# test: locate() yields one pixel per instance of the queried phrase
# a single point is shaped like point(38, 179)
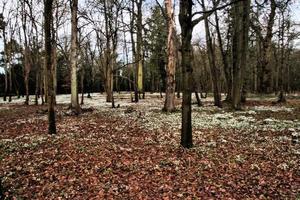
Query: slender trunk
point(82, 85)
point(45, 83)
point(132, 21)
point(185, 19)
point(73, 58)
point(281, 97)
point(27, 62)
point(178, 70)
point(48, 17)
point(27, 72)
point(37, 87)
point(266, 71)
point(169, 105)
point(41, 84)
point(199, 102)
point(139, 54)
point(10, 82)
point(227, 71)
point(5, 65)
point(54, 67)
point(212, 63)
point(109, 56)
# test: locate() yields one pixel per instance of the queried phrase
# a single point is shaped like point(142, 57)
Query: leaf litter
point(113, 154)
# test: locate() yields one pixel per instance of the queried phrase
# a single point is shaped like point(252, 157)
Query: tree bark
point(82, 84)
point(48, 17)
point(282, 96)
point(132, 21)
point(169, 105)
point(185, 19)
point(5, 63)
point(109, 57)
point(224, 54)
point(27, 61)
point(139, 43)
point(265, 75)
point(27, 64)
point(239, 49)
point(73, 58)
point(212, 62)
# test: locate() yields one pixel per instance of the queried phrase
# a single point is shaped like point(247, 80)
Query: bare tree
point(212, 61)
point(48, 17)
point(265, 75)
point(169, 105)
point(241, 11)
point(187, 25)
point(74, 56)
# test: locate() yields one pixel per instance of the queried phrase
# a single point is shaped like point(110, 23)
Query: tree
point(185, 19)
point(48, 17)
point(74, 56)
point(240, 37)
point(212, 62)
point(169, 105)
point(264, 40)
point(3, 28)
point(187, 25)
point(225, 55)
point(26, 52)
point(139, 50)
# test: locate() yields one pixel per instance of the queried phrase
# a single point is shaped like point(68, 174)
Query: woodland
point(149, 99)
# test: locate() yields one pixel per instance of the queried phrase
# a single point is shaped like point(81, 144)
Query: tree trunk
point(5, 64)
point(169, 105)
point(109, 57)
point(73, 58)
point(132, 21)
point(212, 62)
point(10, 82)
point(227, 69)
point(185, 19)
point(54, 66)
point(37, 86)
point(45, 82)
point(265, 75)
point(139, 43)
point(48, 17)
point(239, 48)
point(199, 102)
point(281, 96)
point(27, 72)
point(82, 85)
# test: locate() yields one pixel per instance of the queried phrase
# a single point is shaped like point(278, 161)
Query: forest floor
point(133, 152)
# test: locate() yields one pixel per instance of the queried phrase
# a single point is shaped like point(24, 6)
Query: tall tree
point(169, 105)
point(48, 17)
point(26, 52)
point(187, 25)
point(264, 39)
point(212, 61)
point(225, 55)
point(185, 19)
point(240, 36)
point(5, 56)
point(139, 49)
point(108, 51)
point(74, 56)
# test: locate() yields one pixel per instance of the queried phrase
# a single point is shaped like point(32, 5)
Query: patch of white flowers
point(272, 108)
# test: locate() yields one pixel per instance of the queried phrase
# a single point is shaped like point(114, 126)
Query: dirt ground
point(133, 152)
